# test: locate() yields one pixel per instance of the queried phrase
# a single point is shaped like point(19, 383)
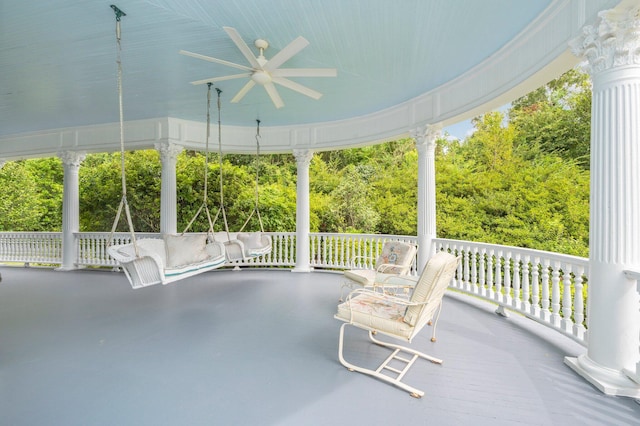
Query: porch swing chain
point(256, 209)
point(204, 206)
point(123, 201)
point(222, 209)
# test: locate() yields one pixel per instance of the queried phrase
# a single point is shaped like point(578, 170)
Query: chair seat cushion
point(363, 277)
point(376, 314)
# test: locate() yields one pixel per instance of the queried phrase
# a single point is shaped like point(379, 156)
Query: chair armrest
point(382, 296)
point(393, 280)
point(386, 266)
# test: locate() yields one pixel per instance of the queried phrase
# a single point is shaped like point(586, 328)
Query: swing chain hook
point(119, 13)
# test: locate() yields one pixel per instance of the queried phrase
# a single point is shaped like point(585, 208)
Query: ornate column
point(303, 159)
point(70, 208)
point(425, 138)
point(168, 199)
point(612, 50)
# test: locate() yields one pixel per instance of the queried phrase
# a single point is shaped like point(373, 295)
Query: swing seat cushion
point(251, 239)
point(182, 250)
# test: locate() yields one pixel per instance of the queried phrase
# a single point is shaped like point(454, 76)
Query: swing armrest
point(214, 249)
point(125, 254)
point(266, 240)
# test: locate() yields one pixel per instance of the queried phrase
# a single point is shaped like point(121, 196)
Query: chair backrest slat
point(431, 287)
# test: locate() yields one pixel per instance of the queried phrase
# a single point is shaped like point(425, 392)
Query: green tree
point(556, 118)
point(20, 209)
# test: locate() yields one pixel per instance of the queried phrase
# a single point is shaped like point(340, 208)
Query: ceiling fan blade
point(305, 72)
point(239, 42)
point(285, 54)
point(274, 95)
point(217, 61)
point(243, 91)
point(226, 77)
point(297, 87)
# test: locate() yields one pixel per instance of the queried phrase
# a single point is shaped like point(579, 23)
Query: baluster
point(483, 265)
point(555, 295)
point(490, 283)
point(466, 284)
point(313, 261)
point(516, 301)
point(579, 329)
point(506, 287)
point(566, 323)
point(276, 249)
point(546, 315)
point(526, 304)
point(474, 270)
point(498, 276)
point(535, 291)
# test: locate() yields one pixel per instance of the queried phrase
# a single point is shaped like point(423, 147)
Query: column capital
point(72, 158)
point(168, 150)
point(303, 156)
point(426, 136)
point(613, 41)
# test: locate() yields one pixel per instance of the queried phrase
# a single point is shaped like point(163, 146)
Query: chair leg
point(434, 322)
point(378, 373)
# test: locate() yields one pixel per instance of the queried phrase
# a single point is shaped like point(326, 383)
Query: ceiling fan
point(265, 72)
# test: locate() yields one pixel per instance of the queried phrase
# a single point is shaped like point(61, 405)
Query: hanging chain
point(204, 206)
point(123, 202)
point(256, 209)
point(222, 209)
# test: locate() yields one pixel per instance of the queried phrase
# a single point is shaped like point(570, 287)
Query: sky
point(460, 130)
point(464, 129)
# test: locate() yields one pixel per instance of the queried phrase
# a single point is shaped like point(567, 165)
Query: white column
point(303, 160)
point(425, 138)
point(612, 49)
point(168, 198)
point(70, 208)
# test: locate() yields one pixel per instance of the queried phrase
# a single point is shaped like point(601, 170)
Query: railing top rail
point(575, 260)
point(379, 236)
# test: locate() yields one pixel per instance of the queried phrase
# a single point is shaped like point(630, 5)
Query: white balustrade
point(546, 287)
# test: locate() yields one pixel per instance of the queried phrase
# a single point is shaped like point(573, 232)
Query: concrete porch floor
point(259, 347)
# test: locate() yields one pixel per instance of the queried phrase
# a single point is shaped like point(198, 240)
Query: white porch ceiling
point(58, 58)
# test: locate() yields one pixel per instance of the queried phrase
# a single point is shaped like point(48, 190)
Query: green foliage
point(493, 194)
point(556, 118)
point(101, 191)
point(20, 209)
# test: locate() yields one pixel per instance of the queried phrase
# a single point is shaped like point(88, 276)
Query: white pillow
point(251, 239)
point(185, 249)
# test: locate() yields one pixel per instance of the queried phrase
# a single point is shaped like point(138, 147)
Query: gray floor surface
point(259, 347)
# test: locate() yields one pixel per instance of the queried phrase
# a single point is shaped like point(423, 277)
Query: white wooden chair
point(399, 318)
point(396, 259)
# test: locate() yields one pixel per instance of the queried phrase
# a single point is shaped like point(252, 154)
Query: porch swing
point(151, 261)
point(240, 246)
